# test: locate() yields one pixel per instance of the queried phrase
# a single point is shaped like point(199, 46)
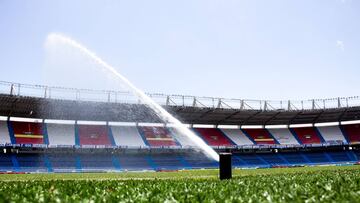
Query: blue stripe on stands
point(45, 133)
point(351, 155)
point(11, 132)
point(184, 162)
point(239, 159)
point(305, 157)
point(261, 159)
point(151, 162)
point(277, 142)
point(15, 163)
point(283, 158)
point(78, 163)
point(116, 163)
point(111, 137)
point(141, 133)
point(228, 138)
point(77, 138)
point(319, 135)
point(295, 135)
point(346, 136)
point(48, 163)
point(248, 136)
point(329, 157)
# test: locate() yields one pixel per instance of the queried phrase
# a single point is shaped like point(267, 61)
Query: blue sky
point(253, 49)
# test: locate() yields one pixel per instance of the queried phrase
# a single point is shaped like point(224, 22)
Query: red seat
point(352, 132)
point(158, 136)
point(93, 135)
point(214, 137)
point(260, 136)
point(28, 133)
point(307, 135)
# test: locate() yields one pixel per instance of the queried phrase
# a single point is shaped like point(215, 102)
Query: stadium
point(52, 136)
point(179, 101)
point(42, 132)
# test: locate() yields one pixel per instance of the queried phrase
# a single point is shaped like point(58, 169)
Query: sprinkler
point(225, 166)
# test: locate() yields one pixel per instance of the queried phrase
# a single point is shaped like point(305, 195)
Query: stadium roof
point(34, 101)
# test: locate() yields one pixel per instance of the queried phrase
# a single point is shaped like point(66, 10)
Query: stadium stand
point(62, 162)
point(307, 135)
point(6, 163)
point(157, 136)
point(237, 136)
point(96, 162)
point(26, 132)
point(332, 134)
point(284, 136)
point(61, 134)
point(352, 133)
point(4, 133)
point(214, 137)
point(127, 136)
point(32, 163)
point(94, 135)
point(260, 136)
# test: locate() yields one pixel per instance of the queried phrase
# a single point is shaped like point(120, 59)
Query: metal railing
point(41, 91)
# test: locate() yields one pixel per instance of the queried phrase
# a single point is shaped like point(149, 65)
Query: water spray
point(55, 38)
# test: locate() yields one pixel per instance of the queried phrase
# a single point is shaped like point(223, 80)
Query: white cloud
point(340, 44)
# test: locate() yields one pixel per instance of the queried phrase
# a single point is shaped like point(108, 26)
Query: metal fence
point(174, 100)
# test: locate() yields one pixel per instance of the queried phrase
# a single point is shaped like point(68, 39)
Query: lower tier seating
point(107, 161)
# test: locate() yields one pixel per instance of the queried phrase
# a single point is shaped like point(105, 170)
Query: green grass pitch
point(308, 184)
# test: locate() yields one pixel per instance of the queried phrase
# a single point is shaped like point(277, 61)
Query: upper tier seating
point(27, 133)
point(4, 133)
point(131, 136)
point(180, 136)
point(284, 136)
point(332, 134)
point(352, 132)
point(157, 136)
point(94, 135)
point(214, 137)
point(260, 136)
point(127, 136)
point(308, 135)
point(237, 136)
point(61, 134)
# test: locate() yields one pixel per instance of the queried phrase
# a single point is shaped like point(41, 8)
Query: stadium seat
point(94, 135)
point(214, 137)
point(32, 163)
point(62, 162)
point(6, 163)
point(332, 134)
point(237, 136)
point(4, 133)
point(157, 136)
point(352, 133)
point(308, 135)
point(96, 162)
point(134, 162)
point(127, 136)
point(61, 134)
point(284, 136)
point(260, 136)
point(27, 133)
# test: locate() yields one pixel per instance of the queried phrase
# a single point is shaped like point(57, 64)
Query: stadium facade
point(53, 129)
